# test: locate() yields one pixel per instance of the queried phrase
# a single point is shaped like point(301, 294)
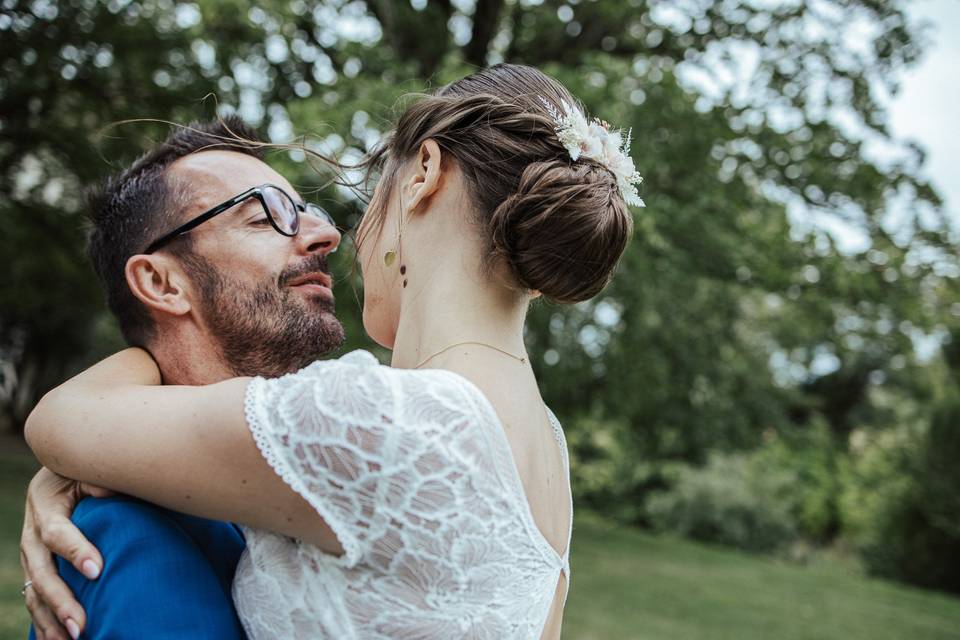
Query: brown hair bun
point(563, 230)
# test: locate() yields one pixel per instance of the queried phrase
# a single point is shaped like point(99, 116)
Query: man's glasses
point(281, 209)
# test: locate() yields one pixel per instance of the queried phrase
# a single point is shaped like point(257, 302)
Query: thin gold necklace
point(457, 344)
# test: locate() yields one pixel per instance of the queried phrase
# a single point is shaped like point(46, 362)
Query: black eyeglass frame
point(253, 192)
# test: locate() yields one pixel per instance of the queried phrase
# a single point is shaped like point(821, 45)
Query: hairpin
point(597, 141)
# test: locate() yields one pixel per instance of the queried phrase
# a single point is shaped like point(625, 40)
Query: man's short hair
point(131, 209)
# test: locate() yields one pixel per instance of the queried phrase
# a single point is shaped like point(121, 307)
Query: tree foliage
point(789, 258)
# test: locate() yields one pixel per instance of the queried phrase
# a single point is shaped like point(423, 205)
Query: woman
point(429, 499)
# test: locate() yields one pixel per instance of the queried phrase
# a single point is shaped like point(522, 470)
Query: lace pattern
point(413, 473)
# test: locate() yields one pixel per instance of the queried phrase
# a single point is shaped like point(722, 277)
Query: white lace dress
point(413, 472)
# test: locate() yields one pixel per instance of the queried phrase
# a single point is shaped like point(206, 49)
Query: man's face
point(264, 297)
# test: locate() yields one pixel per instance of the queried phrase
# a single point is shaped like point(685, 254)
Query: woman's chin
point(380, 332)
point(384, 341)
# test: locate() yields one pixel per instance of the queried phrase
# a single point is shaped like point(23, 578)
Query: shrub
point(606, 474)
point(904, 508)
point(810, 457)
point(726, 502)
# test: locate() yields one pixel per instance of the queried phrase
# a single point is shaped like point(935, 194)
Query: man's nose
point(317, 235)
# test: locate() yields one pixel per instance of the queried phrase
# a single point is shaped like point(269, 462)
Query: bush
point(903, 508)
point(810, 457)
point(726, 502)
point(877, 477)
point(759, 500)
point(607, 475)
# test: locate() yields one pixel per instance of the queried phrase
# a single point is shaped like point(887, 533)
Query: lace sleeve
point(364, 444)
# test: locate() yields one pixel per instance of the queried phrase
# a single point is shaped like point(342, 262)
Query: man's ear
point(426, 177)
point(158, 282)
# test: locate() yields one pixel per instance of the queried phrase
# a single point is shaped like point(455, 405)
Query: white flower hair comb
point(597, 141)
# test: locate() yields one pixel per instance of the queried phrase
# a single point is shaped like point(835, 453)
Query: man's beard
point(265, 330)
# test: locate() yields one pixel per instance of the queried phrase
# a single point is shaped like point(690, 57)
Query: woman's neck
point(450, 306)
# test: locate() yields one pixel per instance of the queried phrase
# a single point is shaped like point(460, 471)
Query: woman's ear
point(425, 179)
point(158, 282)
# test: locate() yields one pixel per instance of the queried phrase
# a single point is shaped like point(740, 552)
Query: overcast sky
point(927, 108)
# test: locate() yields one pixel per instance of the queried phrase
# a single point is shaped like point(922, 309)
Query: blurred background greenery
point(776, 367)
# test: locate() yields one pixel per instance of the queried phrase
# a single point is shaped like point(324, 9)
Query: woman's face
point(377, 234)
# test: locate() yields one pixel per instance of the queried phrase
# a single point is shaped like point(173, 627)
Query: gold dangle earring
point(390, 257)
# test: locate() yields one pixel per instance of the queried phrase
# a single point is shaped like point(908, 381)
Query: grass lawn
point(16, 468)
point(627, 584)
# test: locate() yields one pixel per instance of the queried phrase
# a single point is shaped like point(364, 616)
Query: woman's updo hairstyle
point(560, 225)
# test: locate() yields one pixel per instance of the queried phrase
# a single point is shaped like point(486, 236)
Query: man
point(212, 262)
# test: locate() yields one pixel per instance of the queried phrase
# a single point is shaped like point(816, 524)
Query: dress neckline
point(525, 508)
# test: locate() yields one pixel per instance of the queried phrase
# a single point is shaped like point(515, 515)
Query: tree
point(734, 311)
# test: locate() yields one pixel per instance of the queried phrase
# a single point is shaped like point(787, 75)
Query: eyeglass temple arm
point(203, 217)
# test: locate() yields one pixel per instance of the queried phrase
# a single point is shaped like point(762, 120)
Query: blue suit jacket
point(166, 575)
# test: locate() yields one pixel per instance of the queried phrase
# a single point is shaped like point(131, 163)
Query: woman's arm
point(185, 448)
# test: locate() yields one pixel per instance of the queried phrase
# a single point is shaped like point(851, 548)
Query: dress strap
point(562, 441)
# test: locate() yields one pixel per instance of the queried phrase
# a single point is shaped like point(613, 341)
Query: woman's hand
point(47, 530)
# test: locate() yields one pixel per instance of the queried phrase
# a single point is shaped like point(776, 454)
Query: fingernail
point(90, 569)
point(73, 629)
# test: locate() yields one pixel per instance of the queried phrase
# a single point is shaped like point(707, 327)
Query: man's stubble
point(265, 330)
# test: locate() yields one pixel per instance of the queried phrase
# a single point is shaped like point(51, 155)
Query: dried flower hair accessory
point(597, 141)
